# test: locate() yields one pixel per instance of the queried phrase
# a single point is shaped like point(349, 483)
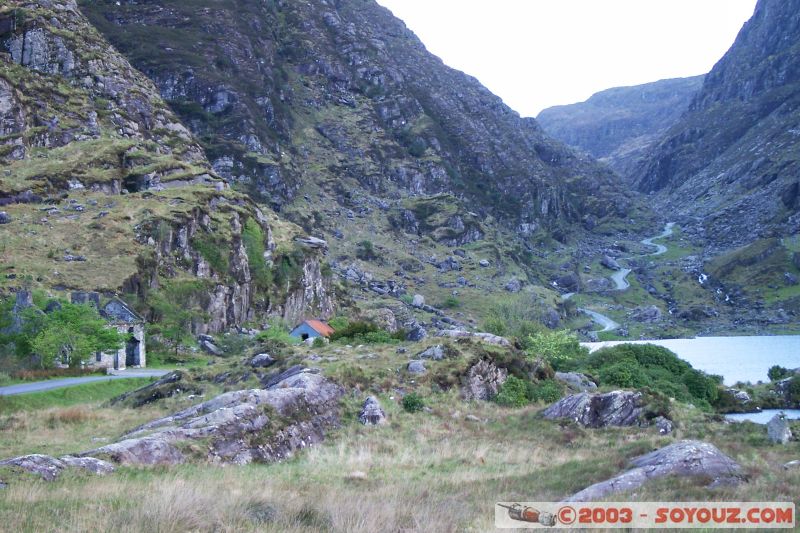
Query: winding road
point(39, 386)
point(620, 279)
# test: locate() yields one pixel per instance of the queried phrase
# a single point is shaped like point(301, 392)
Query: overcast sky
point(539, 53)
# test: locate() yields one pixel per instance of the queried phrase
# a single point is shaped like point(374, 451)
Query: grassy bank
point(94, 392)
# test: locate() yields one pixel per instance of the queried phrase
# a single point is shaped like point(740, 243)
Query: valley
point(274, 266)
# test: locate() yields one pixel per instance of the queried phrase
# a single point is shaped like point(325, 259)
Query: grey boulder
point(778, 430)
point(416, 367)
point(262, 360)
point(616, 408)
point(371, 413)
point(576, 381)
point(685, 459)
point(434, 352)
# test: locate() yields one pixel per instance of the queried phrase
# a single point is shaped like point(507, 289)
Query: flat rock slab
point(686, 458)
point(49, 468)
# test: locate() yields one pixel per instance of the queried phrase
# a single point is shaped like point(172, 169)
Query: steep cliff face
point(104, 189)
point(618, 126)
point(338, 95)
point(732, 158)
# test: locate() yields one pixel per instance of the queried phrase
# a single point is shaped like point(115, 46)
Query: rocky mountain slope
point(336, 116)
point(619, 125)
point(104, 189)
point(342, 96)
point(731, 160)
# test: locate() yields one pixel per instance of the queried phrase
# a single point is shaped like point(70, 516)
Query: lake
point(764, 416)
point(733, 358)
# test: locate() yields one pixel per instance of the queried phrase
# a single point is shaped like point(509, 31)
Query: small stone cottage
point(311, 329)
point(127, 322)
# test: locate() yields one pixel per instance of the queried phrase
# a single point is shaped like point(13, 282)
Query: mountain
point(335, 97)
point(336, 116)
point(104, 189)
point(732, 159)
point(618, 126)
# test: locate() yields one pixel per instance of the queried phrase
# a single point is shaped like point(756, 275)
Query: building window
point(98, 357)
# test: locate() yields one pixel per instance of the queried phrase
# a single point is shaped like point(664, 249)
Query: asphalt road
point(39, 386)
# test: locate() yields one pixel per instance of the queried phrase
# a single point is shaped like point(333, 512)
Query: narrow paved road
point(621, 282)
point(39, 386)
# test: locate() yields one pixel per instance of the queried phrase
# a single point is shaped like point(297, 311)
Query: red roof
point(320, 327)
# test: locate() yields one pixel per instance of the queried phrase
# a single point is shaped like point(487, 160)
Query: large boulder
point(616, 408)
point(778, 430)
point(49, 468)
point(483, 380)
point(685, 459)
point(294, 411)
point(576, 381)
point(262, 360)
point(371, 413)
point(418, 301)
point(5, 218)
point(416, 367)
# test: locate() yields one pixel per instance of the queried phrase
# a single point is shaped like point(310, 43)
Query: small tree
point(777, 373)
point(555, 347)
point(75, 331)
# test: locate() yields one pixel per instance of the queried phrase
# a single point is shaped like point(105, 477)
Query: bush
point(451, 302)
point(277, 332)
point(777, 373)
point(647, 365)
point(366, 333)
point(412, 402)
point(338, 322)
point(318, 343)
point(366, 251)
point(547, 391)
point(794, 390)
point(555, 347)
point(512, 393)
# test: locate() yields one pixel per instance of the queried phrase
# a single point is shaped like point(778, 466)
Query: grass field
point(434, 470)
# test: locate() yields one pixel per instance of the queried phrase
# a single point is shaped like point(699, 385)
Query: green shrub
point(338, 322)
point(777, 373)
point(277, 331)
point(451, 302)
point(547, 391)
point(366, 251)
point(412, 402)
point(647, 365)
point(318, 343)
point(623, 374)
point(213, 251)
point(512, 393)
point(794, 390)
point(555, 347)
point(366, 333)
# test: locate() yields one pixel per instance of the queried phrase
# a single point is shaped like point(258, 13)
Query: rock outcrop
point(778, 430)
point(239, 427)
point(483, 380)
point(617, 408)
point(49, 468)
point(685, 459)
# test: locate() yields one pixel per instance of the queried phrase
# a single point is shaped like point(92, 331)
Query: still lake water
point(733, 358)
point(764, 416)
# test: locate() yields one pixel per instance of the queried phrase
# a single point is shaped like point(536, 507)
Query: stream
point(620, 279)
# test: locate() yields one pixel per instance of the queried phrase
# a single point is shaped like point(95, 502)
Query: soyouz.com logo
point(654, 515)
